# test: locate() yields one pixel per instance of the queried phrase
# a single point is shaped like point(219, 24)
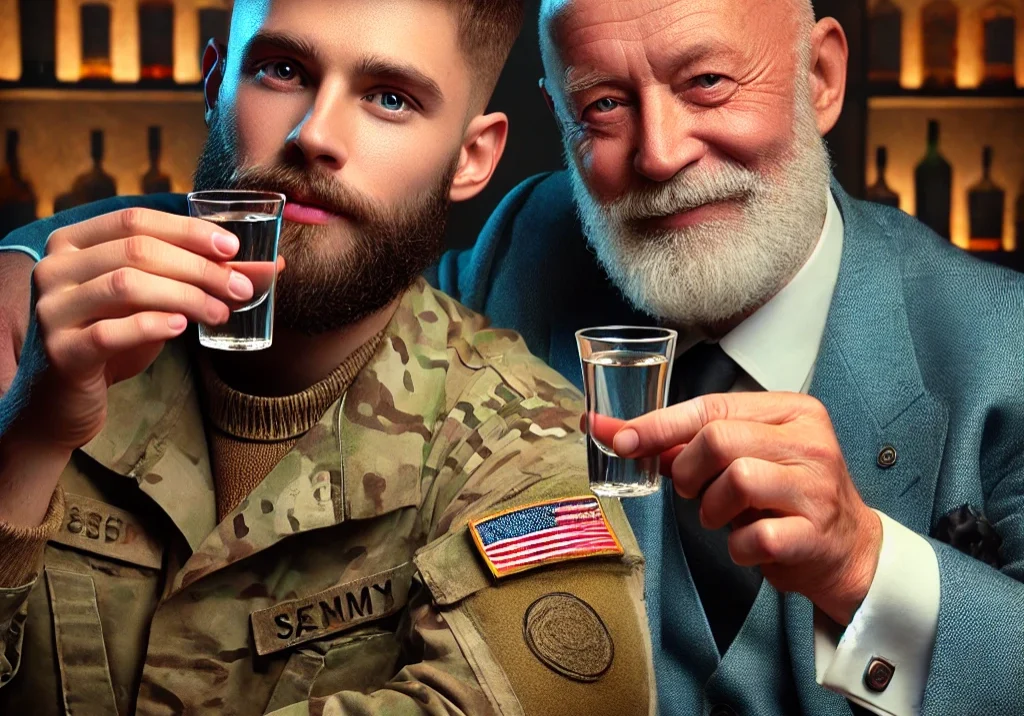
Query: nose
point(320, 136)
point(666, 144)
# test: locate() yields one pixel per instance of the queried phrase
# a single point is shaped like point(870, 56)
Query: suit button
point(879, 674)
point(887, 457)
point(723, 710)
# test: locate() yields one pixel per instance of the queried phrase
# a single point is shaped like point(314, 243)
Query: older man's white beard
point(707, 274)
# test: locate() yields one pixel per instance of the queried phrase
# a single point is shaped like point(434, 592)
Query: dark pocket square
point(967, 530)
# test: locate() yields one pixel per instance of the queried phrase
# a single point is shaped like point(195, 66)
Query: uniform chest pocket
point(362, 660)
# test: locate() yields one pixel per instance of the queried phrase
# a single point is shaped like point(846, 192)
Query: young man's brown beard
point(323, 290)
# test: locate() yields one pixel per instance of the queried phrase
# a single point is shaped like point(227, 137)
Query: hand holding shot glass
point(625, 375)
point(255, 218)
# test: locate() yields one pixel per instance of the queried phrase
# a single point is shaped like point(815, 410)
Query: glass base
point(230, 343)
point(623, 489)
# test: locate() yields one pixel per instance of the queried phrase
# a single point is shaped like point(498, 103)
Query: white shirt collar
point(778, 344)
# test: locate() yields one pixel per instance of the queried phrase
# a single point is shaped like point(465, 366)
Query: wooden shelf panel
point(129, 93)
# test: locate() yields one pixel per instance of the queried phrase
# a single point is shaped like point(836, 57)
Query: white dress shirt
point(776, 349)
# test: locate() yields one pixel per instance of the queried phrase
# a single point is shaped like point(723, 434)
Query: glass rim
point(251, 196)
point(665, 334)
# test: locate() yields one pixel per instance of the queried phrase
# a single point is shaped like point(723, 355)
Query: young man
point(330, 525)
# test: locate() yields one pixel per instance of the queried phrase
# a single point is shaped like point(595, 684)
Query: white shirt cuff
point(896, 622)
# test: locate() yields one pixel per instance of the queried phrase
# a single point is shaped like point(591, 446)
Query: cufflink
point(878, 675)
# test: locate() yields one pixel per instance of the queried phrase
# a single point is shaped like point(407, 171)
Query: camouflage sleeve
point(21, 551)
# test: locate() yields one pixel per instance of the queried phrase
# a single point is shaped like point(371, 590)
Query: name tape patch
point(331, 611)
point(544, 533)
point(94, 526)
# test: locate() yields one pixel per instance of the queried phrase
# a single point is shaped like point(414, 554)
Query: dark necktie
point(726, 590)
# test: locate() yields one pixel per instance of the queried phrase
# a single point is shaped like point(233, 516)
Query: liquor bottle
point(95, 41)
point(156, 39)
point(933, 186)
point(940, 19)
point(885, 43)
point(1020, 221)
point(153, 182)
point(38, 32)
point(1000, 38)
point(986, 202)
point(93, 185)
point(214, 24)
point(880, 192)
point(17, 199)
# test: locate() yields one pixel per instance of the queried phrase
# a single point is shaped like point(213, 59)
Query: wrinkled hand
point(769, 465)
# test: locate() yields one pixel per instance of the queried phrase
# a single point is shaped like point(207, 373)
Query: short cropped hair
point(487, 31)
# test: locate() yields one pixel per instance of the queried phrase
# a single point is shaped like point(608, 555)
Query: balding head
point(692, 134)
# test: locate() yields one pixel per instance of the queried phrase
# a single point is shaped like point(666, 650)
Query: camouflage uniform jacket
point(347, 582)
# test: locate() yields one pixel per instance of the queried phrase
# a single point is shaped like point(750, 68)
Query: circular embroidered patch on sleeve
point(568, 636)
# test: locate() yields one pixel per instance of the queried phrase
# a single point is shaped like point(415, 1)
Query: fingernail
point(177, 323)
point(240, 286)
point(226, 244)
point(626, 442)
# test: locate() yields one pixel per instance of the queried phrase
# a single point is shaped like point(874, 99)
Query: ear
point(547, 98)
point(214, 57)
point(482, 147)
point(829, 58)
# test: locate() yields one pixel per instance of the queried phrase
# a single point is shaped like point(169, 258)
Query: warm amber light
point(970, 68)
point(10, 41)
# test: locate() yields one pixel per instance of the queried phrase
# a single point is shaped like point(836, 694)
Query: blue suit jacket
point(923, 350)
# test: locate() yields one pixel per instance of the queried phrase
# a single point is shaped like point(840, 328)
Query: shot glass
point(255, 218)
point(625, 375)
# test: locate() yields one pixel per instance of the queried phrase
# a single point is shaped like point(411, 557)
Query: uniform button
point(723, 710)
point(887, 457)
point(879, 674)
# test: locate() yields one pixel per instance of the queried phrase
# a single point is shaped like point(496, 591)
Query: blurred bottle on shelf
point(1000, 42)
point(95, 41)
point(885, 42)
point(879, 192)
point(17, 198)
point(939, 20)
point(986, 203)
point(1019, 234)
point(94, 185)
point(933, 186)
point(155, 182)
point(156, 39)
point(38, 21)
point(214, 24)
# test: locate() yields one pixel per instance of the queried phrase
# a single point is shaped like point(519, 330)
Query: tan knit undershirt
point(249, 435)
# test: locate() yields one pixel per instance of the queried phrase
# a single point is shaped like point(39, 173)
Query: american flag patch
point(526, 537)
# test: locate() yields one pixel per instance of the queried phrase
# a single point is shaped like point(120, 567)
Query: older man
point(861, 378)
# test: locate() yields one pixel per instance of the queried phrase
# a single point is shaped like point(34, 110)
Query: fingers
point(97, 344)
point(602, 427)
point(779, 540)
point(749, 486)
point(200, 237)
point(126, 291)
point(721, 443)
point(148, 255)
point(660, 430)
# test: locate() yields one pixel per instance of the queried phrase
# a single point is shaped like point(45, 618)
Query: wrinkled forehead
point(577, 31)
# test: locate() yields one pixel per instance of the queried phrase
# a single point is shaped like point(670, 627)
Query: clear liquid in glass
point(251, 325)
point(622, 385)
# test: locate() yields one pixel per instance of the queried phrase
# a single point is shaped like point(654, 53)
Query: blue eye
point(392, 102)
point(709, 81)
point(605, 104)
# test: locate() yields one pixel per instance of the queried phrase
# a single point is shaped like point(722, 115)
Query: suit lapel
point(868, 377)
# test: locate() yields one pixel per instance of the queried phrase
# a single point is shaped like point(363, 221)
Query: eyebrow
point(401, 73)
point(290, 44)
point(575, 81)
